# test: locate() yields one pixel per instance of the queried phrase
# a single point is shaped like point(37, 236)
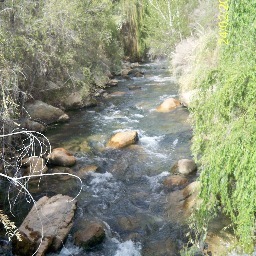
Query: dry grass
point(198, 53)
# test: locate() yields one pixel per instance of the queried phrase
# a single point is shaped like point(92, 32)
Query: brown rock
point(181, 203)
point(175, 180)
point(168, 105)
point(35, 165)
point(138, 74)
point(61, 157)
point(125, 71)
point(55, 215)
point(165, 247)
point(47, 114)
point(129, 223)
point(220, 244)
point(92, 235)
point(123, 139)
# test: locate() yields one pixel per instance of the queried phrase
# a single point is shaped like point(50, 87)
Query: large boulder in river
point(47, 225)
point(45, 113)
point(75, 100)
point(123, 139)
point(92, 234)
point(168, 105)
point(61, 157)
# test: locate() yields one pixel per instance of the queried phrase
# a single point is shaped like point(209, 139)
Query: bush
point(225, 128)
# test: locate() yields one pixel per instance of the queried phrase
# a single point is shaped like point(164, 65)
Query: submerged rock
point(123, 139)
point(85, 170)
point(85, 147)
point(168, 105)
point(91, 235)
point(134, 87)
point(182, 202)
point(138, 74)
point(45, 113)
point(117, 94)
point(163, 247)
point(33, 126)
point(46, 226)
point(61, 157)
point(175, 180)
point(35, 165)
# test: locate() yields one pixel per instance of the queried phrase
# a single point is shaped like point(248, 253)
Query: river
point(127, 193)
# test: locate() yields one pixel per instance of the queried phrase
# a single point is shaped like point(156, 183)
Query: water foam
point(128, 248)
point(99, 178)
point(151, 141)
point(162, 79)
point(154, 181)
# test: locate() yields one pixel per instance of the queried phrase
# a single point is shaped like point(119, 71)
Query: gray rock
point(77, 100)
point(112, 82)
point(32, 125)
point(40, 111)
point(55, 215)
point(186, 166)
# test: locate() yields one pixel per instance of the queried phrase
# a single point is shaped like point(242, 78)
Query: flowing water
point(127, 194)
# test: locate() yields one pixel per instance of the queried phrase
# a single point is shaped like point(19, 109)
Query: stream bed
point(126, 193)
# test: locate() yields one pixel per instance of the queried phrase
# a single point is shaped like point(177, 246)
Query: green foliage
point(133, 28)
point(167, 23)
point(55, 41)
point(225, 129)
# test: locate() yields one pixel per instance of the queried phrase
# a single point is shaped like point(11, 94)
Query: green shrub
point(225, 128)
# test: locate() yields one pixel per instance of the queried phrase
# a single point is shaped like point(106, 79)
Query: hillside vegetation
point(80, 43)
point(223, 79)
